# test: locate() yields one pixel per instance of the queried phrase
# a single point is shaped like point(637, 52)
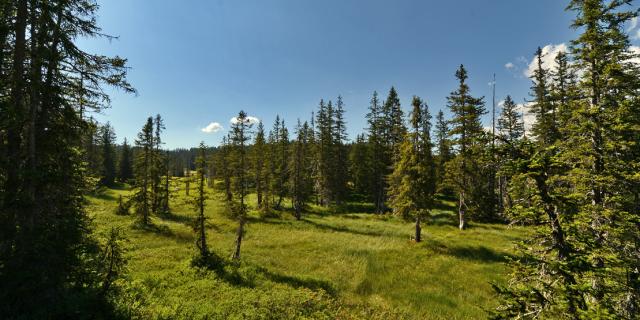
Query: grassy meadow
point(345, 264)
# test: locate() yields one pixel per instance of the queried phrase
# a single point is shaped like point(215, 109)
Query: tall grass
point(331, 264)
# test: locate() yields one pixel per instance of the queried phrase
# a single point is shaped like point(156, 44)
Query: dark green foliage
point(125, 164)
point(331, 153)
point(123, 207)
point(545, 129)
point(445, 154)
point(259, 165)
point(112, 260)
point(239, 137)
point(470, 170)
point(360, 166)
point(199, 203)
point(279, 160)
point(47, 83)
point(412, 182)
point(377, 154)
point(583, 261)
point(301, 183)
point(107, 146)
point(510, 124)
point(142, 199)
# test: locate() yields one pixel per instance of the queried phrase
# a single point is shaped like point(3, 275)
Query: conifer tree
point(301, 183)
point(582, 262)
point(45, 240)
point(158, 170)
point(444, 149)
point(563, 89)
point(108, 155)
point(339, 172)
point(378, 156)
point(325, 141)
point(545, 128)
point(412, 182)
point(510, 134)
point(510, 124)
point(224, 156)
point(143, 171)
point(360, 166)
point(258, 152)
point(125, 165)
point(468, 134)
point(283, 166)
point(199, 202)
point(240, 135)
point(394, 128)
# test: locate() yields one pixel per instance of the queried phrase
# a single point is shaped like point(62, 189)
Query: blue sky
point(200, 61)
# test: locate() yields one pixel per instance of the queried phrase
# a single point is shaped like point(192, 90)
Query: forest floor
point(347, 264)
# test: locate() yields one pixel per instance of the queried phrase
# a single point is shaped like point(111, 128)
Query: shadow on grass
point(186, 220)
point(102, 194)
point(328, 227)
point(243, 274)
point(443, 218)
point(470, 253)
point(163, 230)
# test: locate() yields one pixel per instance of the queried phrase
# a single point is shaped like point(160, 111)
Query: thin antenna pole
point(524, 105)
point(493, 114)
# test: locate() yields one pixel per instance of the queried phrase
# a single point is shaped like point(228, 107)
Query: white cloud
point(212, 127)
point(527, 117)
point(633, 24)
point(509, 65)
point(549, 53)
point(250, 119)
point(636, 51)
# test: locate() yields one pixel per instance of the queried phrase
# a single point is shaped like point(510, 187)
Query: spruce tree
point(510, 135)
point(510, 124)
point(47, 250)
point(240, 136)
point(259, 168)
point(283, 164)
point(545, 128)
point(199, 202)
point(412, 182)
point(444, 150)
point(224, 167)
point(125, 165)
point(325, 141)
point(467, 133)
point(158, 170)
point(378, 156)
point(339, 172)
point(301, 184)
point(143, 171)
point(582, 263)
point(360, 167)
point(108, 155)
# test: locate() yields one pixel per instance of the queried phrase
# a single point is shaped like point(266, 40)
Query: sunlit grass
point(348, 265)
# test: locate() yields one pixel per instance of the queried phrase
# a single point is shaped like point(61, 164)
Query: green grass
point(328, 265)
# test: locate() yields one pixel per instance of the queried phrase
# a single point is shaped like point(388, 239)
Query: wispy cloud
point(509, 65)
point(212, 127)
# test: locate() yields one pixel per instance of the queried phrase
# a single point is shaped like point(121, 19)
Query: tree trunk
point(461, 212)
point(239, 233)
point(418, 230)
